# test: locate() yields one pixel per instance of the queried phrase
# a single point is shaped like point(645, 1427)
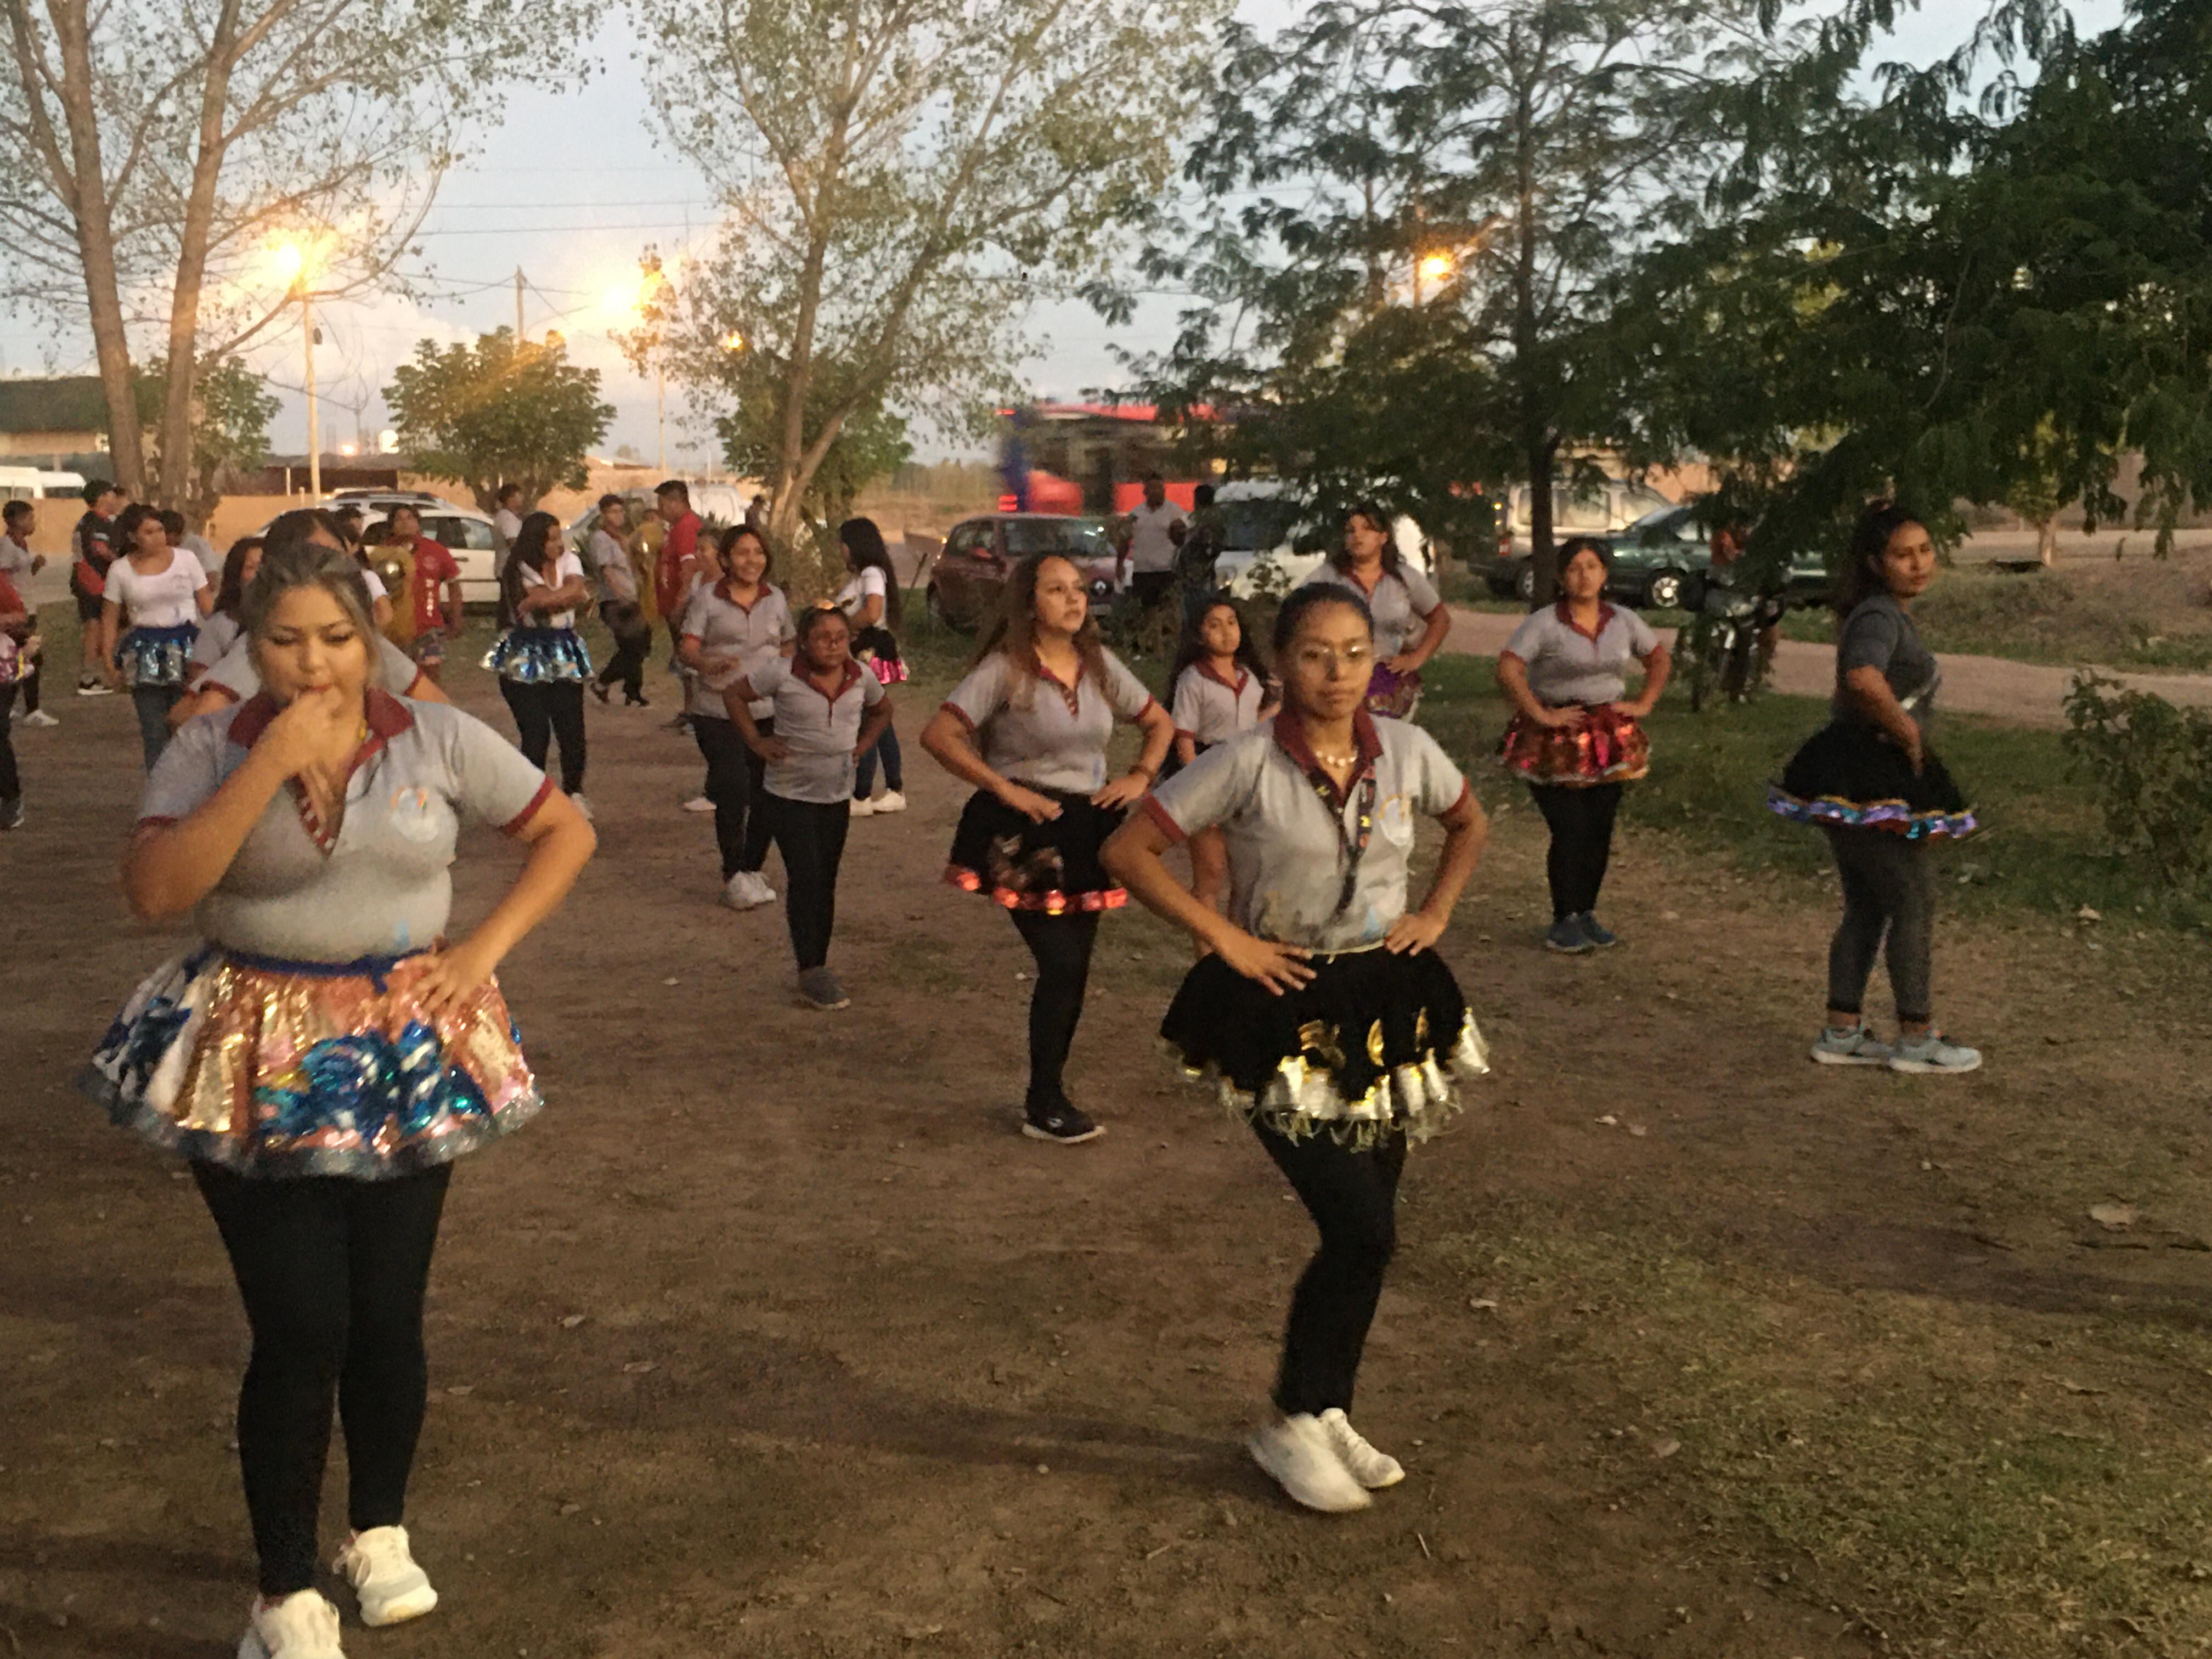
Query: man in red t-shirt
point(437, 587)
point(679, 552)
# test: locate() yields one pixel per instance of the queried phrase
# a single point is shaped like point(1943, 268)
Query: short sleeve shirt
point(1566, 666)
point(218, 634)
point(853, 593)
point(1880, 634)
point(1402, 602)
point(617, 581)
point(1151, 546)
point(167, 598)
point(14, 557)
point(508, 525)
point(233, 673)
point(434, 566)
point(819, 730)
point(566, 568)
point(753, 635)
point(94, 542)
point(681, 543)
point(1289, 847)
point(385, 886)
point(1040, 732)
point(1209, 709)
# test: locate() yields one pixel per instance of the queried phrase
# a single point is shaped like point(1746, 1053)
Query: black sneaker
point(640, 700)
point(1596, 932)
point(1063, 1123)
point(11, 811)
point(600, 690)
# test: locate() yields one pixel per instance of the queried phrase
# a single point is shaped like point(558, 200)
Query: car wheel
point(1525, 584)
point(933, 602)
point(1664, 591)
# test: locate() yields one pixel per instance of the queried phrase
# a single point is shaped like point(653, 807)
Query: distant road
point(2029, 693)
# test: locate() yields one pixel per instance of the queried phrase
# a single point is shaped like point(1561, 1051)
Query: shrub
point(2151, 765)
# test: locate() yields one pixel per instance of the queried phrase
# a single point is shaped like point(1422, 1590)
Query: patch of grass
point(1977, 1480)
point(2044, 847)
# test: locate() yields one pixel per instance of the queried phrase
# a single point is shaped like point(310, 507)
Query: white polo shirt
point(755, 635)
point(818, 727)
point(1035, 731)
point(1287, 857)
point(1401, 603)
point(1150, 547)
point(1209, 709)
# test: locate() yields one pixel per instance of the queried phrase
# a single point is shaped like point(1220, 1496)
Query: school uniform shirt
point(1565, 666)
point(203, 550)
point(384, 887)
point(753, 635)
point(167, 598)
point(566, 568)
point(233, 676)
point(1209, 709)
point(434, 566)
point(1035, 730)
point(617, 581)
point(507, 526)
point(1151, 547)
point(856, 593)
point(1289, 845)
point(377, 593)
point(218, 632)
point(1402, 603)
point(1880, 632)
point(819, 728)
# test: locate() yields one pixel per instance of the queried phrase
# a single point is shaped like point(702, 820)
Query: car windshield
point(1667, 523)
point(1259, 525)
point(1077, 537)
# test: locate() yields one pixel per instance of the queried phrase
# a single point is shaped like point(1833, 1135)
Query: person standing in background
point(869, 600)
point(18, 563)
point(93, 544)
point(736, 625)
point(434, 591)
point(1149, 538)
point(151, 605)
point(1411, 619)
point(618, 605)
point(1204, 537)
point(539, 657)
point(674, 569)
point(506, 518)
point(198, 546)
point(14, 666)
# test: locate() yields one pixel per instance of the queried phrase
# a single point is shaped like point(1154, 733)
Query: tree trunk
point(178, 414)
point(1540, 444)
point(1543, 556)
point(2046, 542)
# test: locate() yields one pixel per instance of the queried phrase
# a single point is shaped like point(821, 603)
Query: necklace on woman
point(1335, 760)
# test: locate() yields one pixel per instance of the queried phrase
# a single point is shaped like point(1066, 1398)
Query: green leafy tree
point(902, 179)
point(871, 443)
point(497, 413)
point(231, 412)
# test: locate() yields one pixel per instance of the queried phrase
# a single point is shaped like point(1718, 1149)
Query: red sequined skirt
point(1604, 746)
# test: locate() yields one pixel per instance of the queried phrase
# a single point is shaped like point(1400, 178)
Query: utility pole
point(661, 397)
point(519, 336)
point(314, 430)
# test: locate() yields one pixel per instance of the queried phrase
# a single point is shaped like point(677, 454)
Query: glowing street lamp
point(289, 262)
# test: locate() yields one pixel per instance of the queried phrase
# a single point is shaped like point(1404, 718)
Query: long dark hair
point(1194, 648)
point(126, 526)
point(864, 547)
point(230, 589)
point(539, 537)
point(1862, 577)
point(1378, 515)
point(1013, 630)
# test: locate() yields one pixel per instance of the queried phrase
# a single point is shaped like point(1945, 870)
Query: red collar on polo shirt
point(722, 592)
point(1205, 666)
point(1070, 694)
point(851, 679)
point(386, 715)
point(1366, 741)
point(1567, 617)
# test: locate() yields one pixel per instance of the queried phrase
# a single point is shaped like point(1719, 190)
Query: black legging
point(810, 836)
point(1581, 843)
point(1061, 945)
point(633, 636)
point(733, 784)
point(1352, 1197)
point(333, 1273)
point(11, 781)
point(543, 711)
point(1888, 895)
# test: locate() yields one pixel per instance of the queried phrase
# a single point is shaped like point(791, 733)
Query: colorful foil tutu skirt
point(1378, 1043)
point(19, 660)
point(280, 1068)
point(1606, 746)
point(1393, 694)
point(1051, 866)
point(876, 647)
point(156, 656)
point(539, 656)
point(1847, 776)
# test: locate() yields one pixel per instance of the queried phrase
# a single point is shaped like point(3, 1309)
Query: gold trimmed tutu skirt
point(280, 1068)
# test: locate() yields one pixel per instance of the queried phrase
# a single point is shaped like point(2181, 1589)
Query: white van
point(1265, 523)
point(71, 484)
point(1598, 510)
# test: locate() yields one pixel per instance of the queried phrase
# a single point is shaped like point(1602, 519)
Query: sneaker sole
point(400, 1609)
point(1822, 1058)
point(808, 1002)
point(1928, 1068)
point(1036, 1133)
point(1354, 1501)
point(1569, 949)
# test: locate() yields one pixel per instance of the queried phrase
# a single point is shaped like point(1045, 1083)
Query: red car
point(968, 574)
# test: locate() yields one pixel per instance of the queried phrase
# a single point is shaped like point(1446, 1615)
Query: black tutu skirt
point(1849, 775)
point(1051, 866)
point(1379, 1043)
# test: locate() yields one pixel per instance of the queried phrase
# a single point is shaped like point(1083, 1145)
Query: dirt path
point(2031, 694)
point(860, 1371)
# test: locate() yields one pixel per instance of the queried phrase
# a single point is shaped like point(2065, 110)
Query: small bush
point(2151, 765)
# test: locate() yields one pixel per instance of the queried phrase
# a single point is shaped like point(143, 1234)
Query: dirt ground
point(773, 1338)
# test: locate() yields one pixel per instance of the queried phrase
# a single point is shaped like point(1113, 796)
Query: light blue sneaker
point(1851, 1045)
point(1934, 1052)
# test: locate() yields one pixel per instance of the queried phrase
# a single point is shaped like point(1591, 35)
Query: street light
point(290, 262)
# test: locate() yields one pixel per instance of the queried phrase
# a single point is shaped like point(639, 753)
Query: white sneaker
point(1297, 1452)
point(40, 717)
point(745, 890)
point(890, 801)
point(301, 1626)
point(864, 808)
point(583, 807)
point(698, 804)
point(1371, 1468)
point(382, 1571)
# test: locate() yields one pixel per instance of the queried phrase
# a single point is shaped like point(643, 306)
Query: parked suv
point(1271, 543)
point(969, 574)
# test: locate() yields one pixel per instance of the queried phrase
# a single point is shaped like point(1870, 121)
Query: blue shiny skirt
point(537, 656)
point(156, 656)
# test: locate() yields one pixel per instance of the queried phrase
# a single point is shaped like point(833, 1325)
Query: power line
point(561, 230)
